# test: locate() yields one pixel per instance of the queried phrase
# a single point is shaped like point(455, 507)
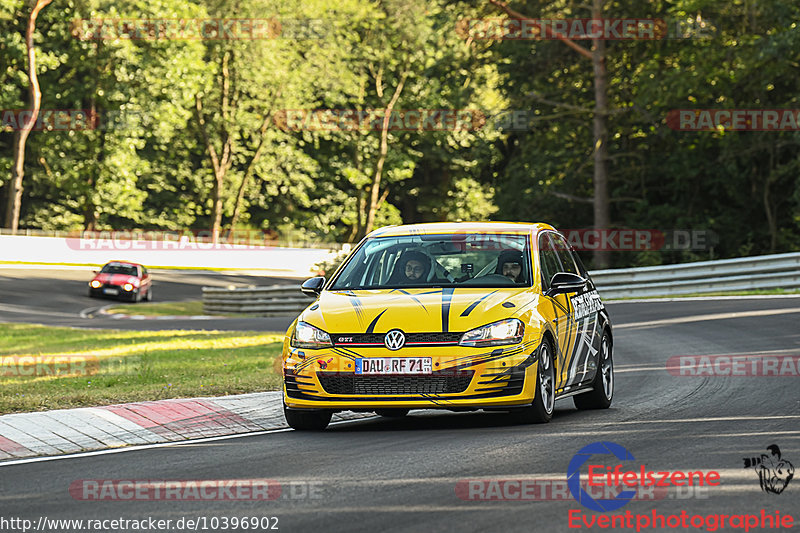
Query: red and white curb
point(96, 428)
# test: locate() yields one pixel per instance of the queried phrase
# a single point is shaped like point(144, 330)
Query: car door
point(561, 311)
point(581, 361)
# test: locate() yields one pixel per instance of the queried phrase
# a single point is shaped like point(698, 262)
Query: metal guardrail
point(274, 300)
point(779, 271)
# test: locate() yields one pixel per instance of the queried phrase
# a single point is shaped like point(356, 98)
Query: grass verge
point(45, 368)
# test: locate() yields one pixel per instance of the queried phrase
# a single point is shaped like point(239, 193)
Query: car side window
point(548, 260)
point(565, 255)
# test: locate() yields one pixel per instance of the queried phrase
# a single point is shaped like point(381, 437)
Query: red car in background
point(123, 280)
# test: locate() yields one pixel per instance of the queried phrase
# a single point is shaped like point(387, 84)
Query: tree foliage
point(167, 105)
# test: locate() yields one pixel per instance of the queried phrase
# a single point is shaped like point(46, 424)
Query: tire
point(149, 297)
point(392, 413)
point(310, 420)
point(603, 383)
point(541, 410)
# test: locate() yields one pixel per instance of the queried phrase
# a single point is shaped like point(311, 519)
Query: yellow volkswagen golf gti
point(457, 316)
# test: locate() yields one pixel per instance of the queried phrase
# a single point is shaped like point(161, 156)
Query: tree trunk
point(220, 163)
point(237, 208)
point(600, 200)
point(14, 204)
point(602, 211)
point(374, 194)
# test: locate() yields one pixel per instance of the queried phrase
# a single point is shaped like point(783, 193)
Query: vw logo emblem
point(394, 340)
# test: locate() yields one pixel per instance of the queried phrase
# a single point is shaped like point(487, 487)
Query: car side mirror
point(564, 282)
point(312, 287)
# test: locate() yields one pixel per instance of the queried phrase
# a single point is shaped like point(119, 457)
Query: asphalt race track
point(56, 297)
point(401, 475)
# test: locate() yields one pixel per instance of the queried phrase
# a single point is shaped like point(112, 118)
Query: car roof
point(433, 228)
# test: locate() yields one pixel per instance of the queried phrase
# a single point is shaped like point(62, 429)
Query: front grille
point(436, 383)
point(355, 339)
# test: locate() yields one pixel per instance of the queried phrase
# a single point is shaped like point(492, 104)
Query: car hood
point(414, 310)
point(116, 279)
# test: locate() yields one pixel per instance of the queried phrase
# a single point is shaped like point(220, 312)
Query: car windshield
point(112, 268)
point(454, 260)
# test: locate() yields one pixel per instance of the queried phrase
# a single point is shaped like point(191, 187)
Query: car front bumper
point(462, 379)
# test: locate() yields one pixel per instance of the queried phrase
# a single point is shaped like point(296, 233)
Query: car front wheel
point(603, 384)
point(541, 410)
point(307, 420)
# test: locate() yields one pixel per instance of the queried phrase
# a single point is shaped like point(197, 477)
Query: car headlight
point(127, 287)
point(307, 336)
point(95, 284)
point(507, 331)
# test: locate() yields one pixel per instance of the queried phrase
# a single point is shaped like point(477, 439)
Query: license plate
point(110, 291)
point(377, 366)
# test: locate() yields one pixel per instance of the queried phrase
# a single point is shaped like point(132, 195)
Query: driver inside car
point(412, 268)
point(509, 264)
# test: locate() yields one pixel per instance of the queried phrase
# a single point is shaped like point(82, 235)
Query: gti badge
point(394, 340)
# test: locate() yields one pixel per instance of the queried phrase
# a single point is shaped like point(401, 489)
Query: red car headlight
point(95, 284)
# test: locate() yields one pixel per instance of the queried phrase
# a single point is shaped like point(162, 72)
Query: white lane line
point(24, 310)
point(703, 318)
point(699, 298)
point(85, 313)
point(158, 445)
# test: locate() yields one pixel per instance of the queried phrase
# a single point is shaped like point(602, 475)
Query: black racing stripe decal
point(349, 354)
point(371, 327)
point(474, 304)
point(484, 360)
point(572, 339)
point(305, 364)
point(447, 296)
point(413, 298)
point(357, 306)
